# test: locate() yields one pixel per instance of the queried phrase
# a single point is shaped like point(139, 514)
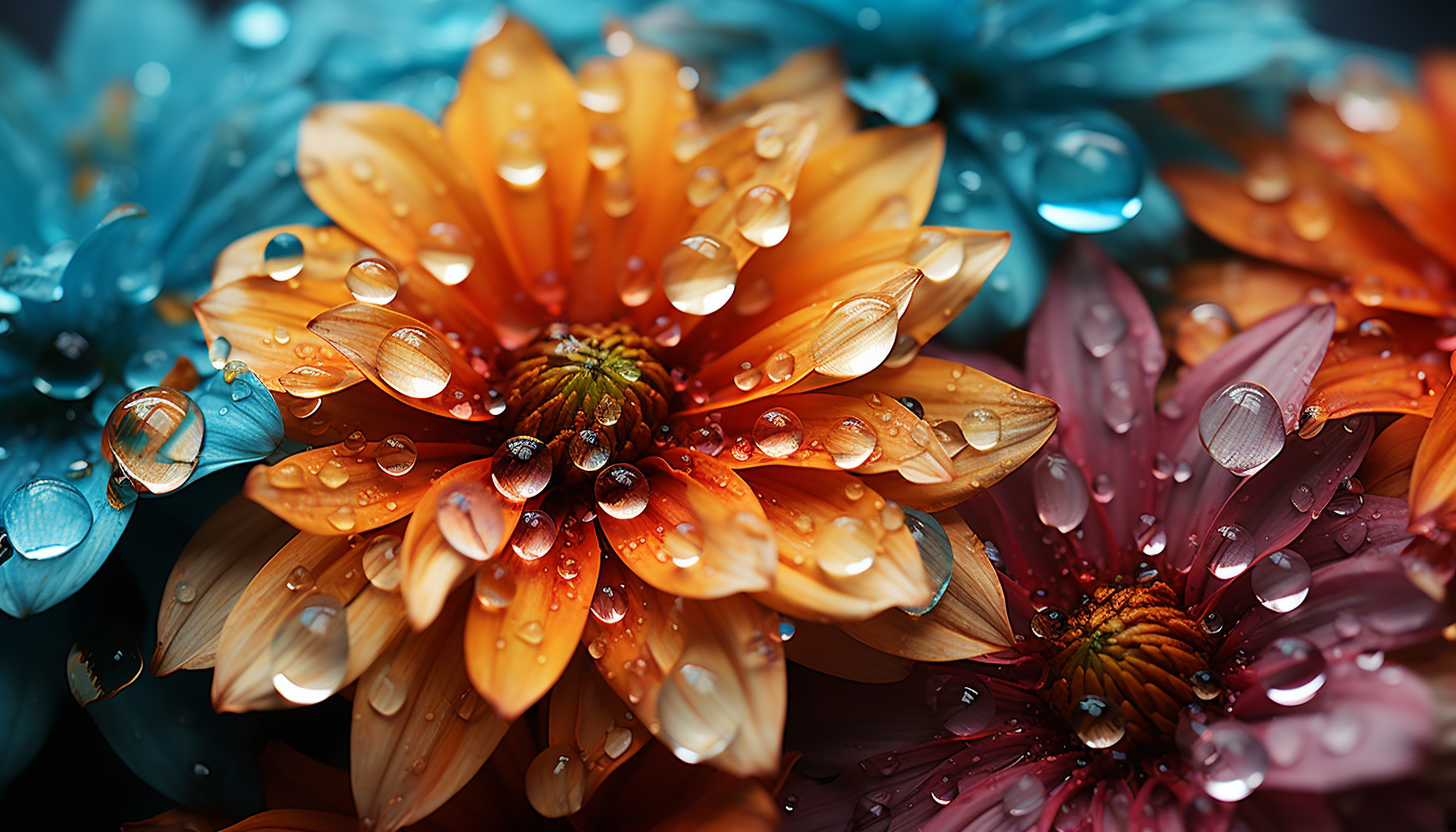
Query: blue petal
point(109, 39)
point(242, 422)
point(899, 93)
point(31, 656)
point(110, 271)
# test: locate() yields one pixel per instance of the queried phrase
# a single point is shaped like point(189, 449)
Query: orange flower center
point(1125, 664)
point(594, 393)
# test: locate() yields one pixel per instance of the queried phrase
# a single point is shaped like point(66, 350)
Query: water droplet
point(688, 140)
point(963, 704)
point(310, 650)
point(707, 439)
point(1150, 535)
point(283, 257)
point(495, 586)
point(938, 255)
point(683, 543)
point(936, 555)
point(621, 491)
point(521, 468)
point(1302, 497)
point(1103, 489)
point(414, 361)
point(1099, 722)
point(1231, 760)
point(844, 548)
point(448, 267)
point(184, 592)
point(1118, 406)
point(300, 580)
point(1087, 180)
point(1233, 551)
point(850, 442)
point(1281, 581)
point(387, 695)
point(100, 664)
point(763, 216)
point(608, 411)
point(699, 275)
point(617, 741)
point(786, 630)
point(470, 519)
point(381, 561)
point(1048, 623)
point(1291, 670)
point(981, 428)
point(155, 436)
point(521, 162)
point(46, 518)
point(1241, 427)
point(855, 337)
point(590, 449)
point(1309, 213)
point(1024, 797)
point(342, 518)
point(68, 368)
point(1060, 492)
point(695, 713)
point(706, 186)
point(1101, 328)
point(778, 432)
point(259, 24)
point(556, 782)
point(600, 87)
point(608, 145)
point(1211, 623)
point(534, 535)
point(396, 455)
point(333, 474)
point(372, 281)
point(1204, 685)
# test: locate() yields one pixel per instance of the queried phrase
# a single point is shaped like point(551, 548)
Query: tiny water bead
point(850, 442)
point(310, 650)
point(1281, 581)
point(471, 520)
point(590, 449)
point(778, 432)
point(1060, 492)
point(1101, 328)
point(1291, 670)
point(283, 257)
point(622, 491)
point(300, 580)
point(387, 694)
point(521, 468)
point(913, 405)
point(982, 428)
point(963, 705)
point(372, 281)
point(45, 518)
point(762, 214)
point(693, 709)
point(100, 664)
point(1098, 722)
point(154, 436)
point(699, 275)
point(381, 561)
point(1087, 177)
point(534, 535)
point(856, 336)
point(414, 361)
point(1230, 760)
point(68, 368)
point(1242, 427)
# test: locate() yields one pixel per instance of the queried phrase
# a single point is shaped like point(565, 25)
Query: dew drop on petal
point(495, 586)
point(683, 544)
point(1087, 180)
point(218, 352)
point(707, 439)
point(621, 491)
point(310, 650)
point(1103, 489)
point(1048, 622)
point(414, 361)
point(396, 455)
point(1233, 551)
point(1230, 760)
point(964, 705)
point(155, 436)
point(100, 664)
point(1060, 492)
point(778, 432)
point(779, 367)
point(608, 411)
point(844, 548)
point(184, 592)
point(1302, 498)
point(1101, 328)
point(762, 215)
point(1291, 670)
point(520, 161)
point(534, 536)
point(387, 694)
point(706, 186)
point(699, 275)
point(850, 442)
point(470, 519)
point(600, 86)
point(372, 281)
point(1024, 797)
point(695, 713)
point(1118, 406)
point(283, 257)
point(936, 555)
point(855, 337)
point(1241, 427)
point(1204, 685)
point(521, 468)
point(46, 518)
point(590, 449)
point(608, 145)
point(609, 605)
point(1098, 722)
point(1150, 535)
point(556, 781)
point(981, 428)
point(936, 254)
point(1280, 581)
point(381, 561)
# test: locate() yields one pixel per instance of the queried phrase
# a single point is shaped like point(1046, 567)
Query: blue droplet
point(283, 256)
point(1087, 176)
point(935, 554)
point(68, 368)
point(786, 629)
point(46, 518)
point(259, 25)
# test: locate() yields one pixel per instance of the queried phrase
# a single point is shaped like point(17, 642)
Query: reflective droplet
point(1310, 213)
point(155, 436)
point(414, 361)
point(590, 449)
point(1150, 535)
point(372, 281)
point(534, 535)
point(763, 216)
point(520, 161)
point(1291, 670)
point(381, 561)
point(617, 741)
point(1118, 406)
point(1101, 328)
point(696, 713)
point(936, 254)
point(608, 411)
point(300, 579)
point(1267, 179)
point(778, 432)
point(310, 650)
point(699, 275)
point(609, 605)
point(706, 186)
point(333, 474)
point(608, 145)
point(1211, 623)
point(283, 257)
point(779, 367)
point(936, 555)
point(184, 592)
point(1281, 580)
point(964, 705)
point(707, 439)
point(683, 544)
point(495, 586)
point(1024, 797)
point(1103, 489)
point(1230, 760)
point(850, 442)
point(521, 468)
point(982, 428)
point(855, 337)
point(396, 455)
point(1099, 722)
point(1087, 180)
point(470, 519)
point(621, 491)
point(1204, 685)
point(218, 352)
point(449, 267)
point(1241, 427)
point(100, 664)
point(68, 368)
point(556, 782)
point(600, 87)
point(1233, 551)
point(387, 695)
point(844, 548)
point(1048, 623)
point(1060, 492)
point(1302, 498)
point(46, 518)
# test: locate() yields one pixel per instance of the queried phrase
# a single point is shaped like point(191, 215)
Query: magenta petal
point(1407, 806)
point(1362, 724)
point(1280, 353)
point(1377, 527)
point(1276, 504)
point(981, 804)
point(1095, 349)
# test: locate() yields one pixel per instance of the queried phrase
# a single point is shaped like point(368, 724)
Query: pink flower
point(1202, 600)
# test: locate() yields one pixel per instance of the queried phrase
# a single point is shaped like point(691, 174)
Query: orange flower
point(1353, 205)
point(602, 369)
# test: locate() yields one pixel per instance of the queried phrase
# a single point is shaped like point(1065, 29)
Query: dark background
point(78, 766)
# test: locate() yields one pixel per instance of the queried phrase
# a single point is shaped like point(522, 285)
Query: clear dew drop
point(963, 704)
point(534, 536)
point(1103, 489)
point(414, 361)
point(1024, 797)
point(556, 781)
point(938, 255)
point(779, 367)
point(855, 337)
point(981, 428)
point(1086, 180)
point(218, 352)
point(696, 713)
point(46, 518)
point(609, 605)
point(1241, 427)
point(470, 519)
point(1211, 623)
point(590, 449)
point(372, 281)
point(1098, 722)
point(1119, 408)
point(699, 275)
point(1048, 622)
point(387, 695)
point(707, 439)
point(381, 561)
point(683, 544)
point(600, 86)
point(1233, 551)
point(762, 215)
point(622, 491)
point(936, 555)
point(1291, 670)
point(300, 580)
point(396, 455)
point(184, 592)
point(1230, 760)
point(616, 742)
point(844, 547)
point(705, 186)
point(850, 442)
point(1204, 685)
point(310, 650)
point(442, 257)
point(100, 664)
point(1302, 498)
point(521, 468)
point(608, 411)
point(283, 257)
point(1267, 179)
point(1150, 536)
point(778, 432)
point(1060, 492)
point(155, 436)
point(495, 586)
point(1281, 581)
point(520, 161)
point(1101, 328)
point(607, 147)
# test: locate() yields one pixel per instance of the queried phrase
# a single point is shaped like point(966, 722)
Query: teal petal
point(32, 654)
point(242, 422)
point(901, 94)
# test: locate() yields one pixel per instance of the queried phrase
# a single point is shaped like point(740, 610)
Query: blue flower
point(1028, 88)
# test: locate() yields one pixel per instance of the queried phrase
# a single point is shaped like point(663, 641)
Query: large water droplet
point(521, 468)
point(495, 586)
point(556, 781)
point(964, 705)
point(46, 518)
point(981, 428)
point(935, 554)
point(68, 368)
point(778, 432)
point(609, 605)
point(1060, 492)
point(100, 664)
point(381, 561)
point(763, 216)
point(1099, 722)
point(1101, 328)
point(600, 86)
point(622, 490)
point(443, 254)
point(396, 455)
point(699, 275)
point(683, 543)
point(372, 281)
point(844, 548)
point(707, 439)
point(1233, 551)
point(1291, 670)
point(855, 337)
point(850, 442)
point(310, 650)
point(387, 694)
point(1024, 797)
point(1087, 180)
point(590, 449)
point(1242, 427)
point(470, 519)
point(1119, 407)
point(1230, 760)
point(283, 257)
point(414, 361)
point(696, 717)
point(521, 162)
point(1281, 580)
point(534, 535)
point(155, 436)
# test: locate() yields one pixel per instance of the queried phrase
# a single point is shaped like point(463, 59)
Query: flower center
point(592, 392)
point(1125, 664)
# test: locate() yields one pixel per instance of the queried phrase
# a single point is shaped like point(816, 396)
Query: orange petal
point(1371, 373)
point(702, 534)
point(1387, 467)
point(354, 486)
point(635, 627)
point(307, 567)
point(969, 621)
point(1437, 75)
point(228, 549)
point(295, 780)
point(178, 820)
point(328, 252)
point(1248, 290)
point(813, 79)
point(366, 409)
point(295, 820)
point(429, 565)
point(515, 653)
point(988, 426)
point(843, 554)
point(587, 714)
point(828, 649)
point(407, 359)
point(530, 167)
point(728, 805)
point(420, 731)
point(1433, 476)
